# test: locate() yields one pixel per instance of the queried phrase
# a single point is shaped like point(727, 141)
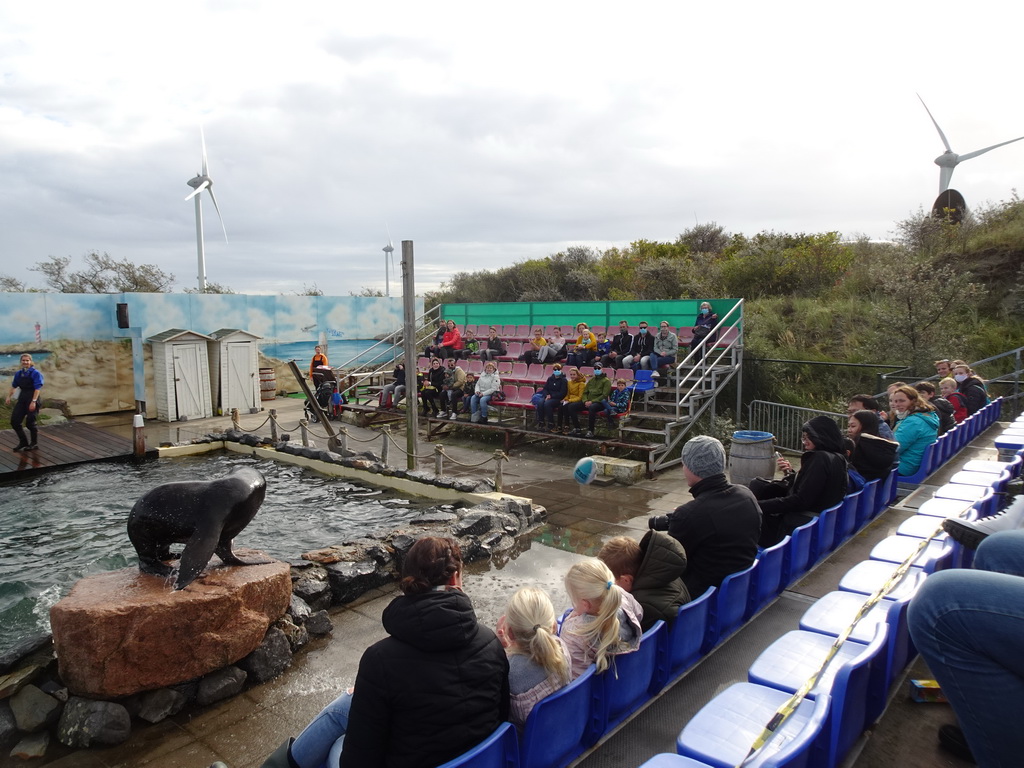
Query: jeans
point(547, 411)
point(968, 624)
point(478, 404)
point(395, 389)
point(656, 360)
point(319, 744)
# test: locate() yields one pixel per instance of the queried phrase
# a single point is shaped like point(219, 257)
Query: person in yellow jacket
point(574, 394)
point(585, 348)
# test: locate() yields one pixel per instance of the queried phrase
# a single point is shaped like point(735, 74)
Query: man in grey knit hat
point(719, 529)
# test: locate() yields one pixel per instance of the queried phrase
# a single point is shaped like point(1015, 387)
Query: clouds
point(485, 134)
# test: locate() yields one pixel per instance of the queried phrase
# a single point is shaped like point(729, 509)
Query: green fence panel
point(681, 312)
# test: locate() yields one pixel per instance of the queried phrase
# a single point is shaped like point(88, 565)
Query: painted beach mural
point(87, 361)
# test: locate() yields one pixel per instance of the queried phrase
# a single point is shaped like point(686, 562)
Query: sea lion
point(203, 515)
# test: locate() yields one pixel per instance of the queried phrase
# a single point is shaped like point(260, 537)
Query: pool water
point(59, 527)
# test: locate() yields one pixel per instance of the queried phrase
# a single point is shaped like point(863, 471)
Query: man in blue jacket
point(28, 382)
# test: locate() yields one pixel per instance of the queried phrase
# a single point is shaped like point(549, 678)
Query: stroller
point(327, 396)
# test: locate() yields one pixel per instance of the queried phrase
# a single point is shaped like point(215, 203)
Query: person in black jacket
point(873, 456)
point(942, 406)
point(640, 353)
point(554, 391)
point(820, 483)
point(970, 386)
point(719, 529)
point(622, 343)
point(432, 690)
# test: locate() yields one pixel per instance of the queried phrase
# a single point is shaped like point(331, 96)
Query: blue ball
point(585, 471)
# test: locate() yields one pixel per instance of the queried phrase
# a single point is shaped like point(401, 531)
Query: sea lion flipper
point(198, 551)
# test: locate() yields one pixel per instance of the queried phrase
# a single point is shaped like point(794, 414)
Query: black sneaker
point(20, 447)
point(31, 446)
point(951, 738)
point(590, 434)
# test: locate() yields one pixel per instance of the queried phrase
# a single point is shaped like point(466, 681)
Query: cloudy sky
point(486, 133)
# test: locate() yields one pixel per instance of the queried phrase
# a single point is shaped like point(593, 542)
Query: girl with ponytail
point(605, 619)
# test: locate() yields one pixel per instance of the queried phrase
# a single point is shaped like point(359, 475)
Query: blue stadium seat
point(681, 644)
point(928, 465)
point(868, 576)
point(558, 724)
point(723, 731)
point(669, 760)
point(499, 750)
point(866, 506)
point(846, 522)
point(767, 582)
point(800, 552)
point(729, 607)
point(622, 688)
point(937, 556)
point(643, 381)
point(826, 532)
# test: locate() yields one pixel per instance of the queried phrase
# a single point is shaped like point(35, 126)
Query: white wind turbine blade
point(203, 185)
point(202, 138)
point(219, 217)
point(941, 134)
point(977, 152)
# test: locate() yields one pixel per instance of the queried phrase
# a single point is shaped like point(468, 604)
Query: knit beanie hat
point(704, 456)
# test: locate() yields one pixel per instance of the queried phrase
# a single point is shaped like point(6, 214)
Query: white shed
point(181, 375)
point(234, 370)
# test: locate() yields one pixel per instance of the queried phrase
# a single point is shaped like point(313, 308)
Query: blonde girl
point(605, 619)
point(574, 394)
point(538, 660)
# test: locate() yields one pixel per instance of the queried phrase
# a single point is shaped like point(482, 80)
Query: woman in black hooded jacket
point(873, 456)
point(820, 483)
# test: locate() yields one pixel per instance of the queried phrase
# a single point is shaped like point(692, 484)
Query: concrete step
point(644, 431)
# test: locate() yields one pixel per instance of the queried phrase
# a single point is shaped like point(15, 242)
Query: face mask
point(557, 373)
point(598, 372)
point(960, 377)
point(705, 311)
point(643, 330)
point(901, 414)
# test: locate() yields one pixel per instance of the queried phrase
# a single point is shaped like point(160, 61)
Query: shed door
point(240, 390)
point(187, 382)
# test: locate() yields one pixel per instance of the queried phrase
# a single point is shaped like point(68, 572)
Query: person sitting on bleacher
point(554, 391)
point(585, 347)
point(434, 349)
point(917, 427)
point(537, 343)
point(391, 395)
point(493, 347)
point(605, 619)
point(573, 396)
point(452, 389)
point(470, 345)
point(801, 496)
point(621, 344)
point(604, 346)
point(704, 328)
point(947, 387)
point(869, 403)
point(942, 406)
point(650, 571)
point(719, 529)
point(666, 346)
point(595, 392)
point(555, 349)
point(873, 456)
point(451, 342)
point(430, 393)
point(970, 386)
point(640, 354)
point(486, 386)
point(617, 402)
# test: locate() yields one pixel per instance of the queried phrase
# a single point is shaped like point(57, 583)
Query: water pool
point(61, 526)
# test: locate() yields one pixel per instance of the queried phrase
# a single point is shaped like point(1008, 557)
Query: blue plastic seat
point(943, 507)
point(868, 576)
point(937, 556)
point(923, 526)
point(767, 583)
point(557, 726)
point(681, 644)
point(643, 381)
point(961, 492)
point(994, 467)
point(928, 465)
point(800, 552)
point(670, 760)
point(855, 679)
point(723, 731)
point(499, 750)
point(826, 532)
point(888, 492)
point(866, 505)
point(1008, 444)
point(983, 479)
point(846, 522)
point(729, 606)
point(625, 686)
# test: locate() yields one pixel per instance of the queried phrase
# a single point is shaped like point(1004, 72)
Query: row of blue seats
point(950, 443)
point(571, 720)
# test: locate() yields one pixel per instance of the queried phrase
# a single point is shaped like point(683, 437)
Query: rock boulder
point(123, 632)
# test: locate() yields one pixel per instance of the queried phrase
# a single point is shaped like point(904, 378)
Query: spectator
point(947, 387)
point(967, 624)
point(869, 403)
point(604, 346)
point(555, 349)
point(585, 347)
point(467, 391)
point(801, 496)
point(573, 395)
point(873, 456)
point(486, 386)
point(650, 571)
point(942, 406)
point(318, 359)
point(640, 353)
point(440, 675)
point(554, 391)
point(432, 385)
point(536, 344)
point(943, 368)
point(452, 389)
point(855, 480)
point(617, 402)
point(595, 392)
point(917, 427)
point(704, 330)
point(605, 619)
point(451, 342)
point(666, 346)
point(970, 386)
point(538, 661)
point(493, 346)
point(391, 395)
point(719, 529)
point(470, 346)
point(434, 349)
point(621, 344)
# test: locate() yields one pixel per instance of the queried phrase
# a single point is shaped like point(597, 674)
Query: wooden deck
point(62, 445)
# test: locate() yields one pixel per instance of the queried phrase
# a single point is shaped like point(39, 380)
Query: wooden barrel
point(752, 454)
point(268, 384)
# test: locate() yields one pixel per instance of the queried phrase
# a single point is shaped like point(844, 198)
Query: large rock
point(125, 631)
point(84, 723)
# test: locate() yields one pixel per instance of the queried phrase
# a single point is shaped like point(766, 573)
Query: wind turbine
point(198, 184)
point(389, 249)
point(949, 159)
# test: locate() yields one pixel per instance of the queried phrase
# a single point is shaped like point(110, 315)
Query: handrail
point(783, 421)
point(717, 353)
point(391, 337)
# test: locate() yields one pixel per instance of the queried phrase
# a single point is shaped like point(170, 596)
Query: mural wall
point(87, 360)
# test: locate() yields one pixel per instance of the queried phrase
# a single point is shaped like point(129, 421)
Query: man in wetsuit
point(27, 384)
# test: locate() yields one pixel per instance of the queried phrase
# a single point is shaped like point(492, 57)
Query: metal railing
point(785, 421)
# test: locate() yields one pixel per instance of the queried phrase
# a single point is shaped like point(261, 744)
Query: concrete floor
point(244, 730)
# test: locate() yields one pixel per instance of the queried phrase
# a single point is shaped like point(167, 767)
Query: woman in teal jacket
point(917, 427)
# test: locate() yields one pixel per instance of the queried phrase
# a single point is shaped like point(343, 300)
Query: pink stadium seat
point(523, 332)
point(509, 331)
point(519, 372)
point(514, 350)
point(535, 374)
